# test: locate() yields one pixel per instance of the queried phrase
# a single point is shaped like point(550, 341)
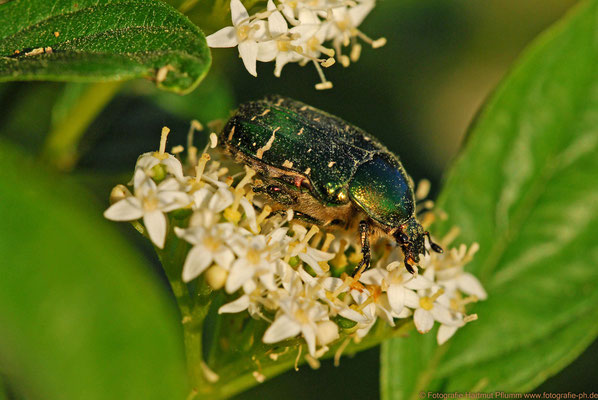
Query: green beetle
point(328, 171)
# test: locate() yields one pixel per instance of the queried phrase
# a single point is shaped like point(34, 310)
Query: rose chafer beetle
point(329, 172)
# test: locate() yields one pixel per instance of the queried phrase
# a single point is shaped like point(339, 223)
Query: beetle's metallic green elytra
point(328, 171)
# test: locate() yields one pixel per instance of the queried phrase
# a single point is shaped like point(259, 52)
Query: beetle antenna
point(433, 245)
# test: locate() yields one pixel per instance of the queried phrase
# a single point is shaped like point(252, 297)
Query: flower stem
point(60, 148)
point(193, 350)
point(193, 311)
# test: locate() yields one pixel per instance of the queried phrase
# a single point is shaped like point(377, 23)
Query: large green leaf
point(81, 317)
point(93, 40)
point(525, 188)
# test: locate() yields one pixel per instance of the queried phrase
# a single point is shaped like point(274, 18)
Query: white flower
point(297, 314)
point(374, 304)
point(288, 45)
point(150, 202)
point(253, 260)
point(209, 245)
point(147, 161)
point(330, 290)
point(344, 21)
point(397, 283)
point(428, 308)
point(445, 332)
point(447, 270)
point(309, 255)
point(251, 301)
point(243, 33)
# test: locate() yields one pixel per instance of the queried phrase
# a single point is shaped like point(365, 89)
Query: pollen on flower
point(298, 31)
point(272, 266)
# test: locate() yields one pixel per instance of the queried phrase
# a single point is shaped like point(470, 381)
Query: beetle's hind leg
point(277, 194)
point(364, 237)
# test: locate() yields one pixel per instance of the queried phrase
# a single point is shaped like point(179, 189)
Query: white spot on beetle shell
point(260, 152)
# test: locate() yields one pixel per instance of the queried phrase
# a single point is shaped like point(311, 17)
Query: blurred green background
point(418, 94)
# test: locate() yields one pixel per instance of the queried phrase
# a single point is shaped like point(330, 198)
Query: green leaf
point(525, 188)
point(91, 40)
point(81, 317)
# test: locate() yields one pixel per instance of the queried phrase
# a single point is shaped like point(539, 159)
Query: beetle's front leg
point(364, 237)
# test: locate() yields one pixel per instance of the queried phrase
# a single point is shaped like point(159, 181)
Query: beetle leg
point(307, 218)
point(433, 245)
point(300, 216)
point(409, 267)
point(364, 236)
point(277, 194)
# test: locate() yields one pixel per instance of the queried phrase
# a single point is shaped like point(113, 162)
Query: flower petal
point(241, 304)
point(200, 196)
point(267, 51)
point(282, 328)
point(224, 257)
point(128, 209)
point(259, 31)
point(469, 284)
point(418, 282)
point(444, 316)
point(361, 332)
point(308, 17)
point(173, 166)
point(373, 276)
point(197, 261)
point(139, 177)
point(220, 200)
point(359, 12)
point(171, 200)
point(411, 299)
point(423, 320)
point(320, 255)
point(309, 333)
point(225, 37)
point(282, 59)
point(237, 12)
point(268, 281)
point(332, 283)
point(354, 315)
point(248, 52)
point(396, 298)
point(155, 223)
point(239, 274)
point(383, 309)
point(445, 332)
point(193, 235)
point(306, 258)
point(249, 214)
point(276, 22)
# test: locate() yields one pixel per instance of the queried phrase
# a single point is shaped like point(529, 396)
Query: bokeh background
point(418, 94)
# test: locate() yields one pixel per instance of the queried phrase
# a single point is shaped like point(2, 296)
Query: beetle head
point(412, 239)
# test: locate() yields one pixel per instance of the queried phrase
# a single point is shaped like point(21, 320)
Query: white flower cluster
point(266, 36)
point(277, 269)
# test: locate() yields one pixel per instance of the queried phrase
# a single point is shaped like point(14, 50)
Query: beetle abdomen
point(288, 134)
